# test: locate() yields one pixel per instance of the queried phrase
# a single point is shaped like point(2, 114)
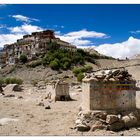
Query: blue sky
point(107, 28)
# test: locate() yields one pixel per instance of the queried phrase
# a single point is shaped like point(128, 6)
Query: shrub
point(90, 59)
point(23, 58)
point(80, 76)
point(66, 65)
point(65, 58)
point(1, 81)
point(19, 81)
point(7, 81)
point(76, 71)
point(54, 64)
point(13, 81)
point(88, 68)
point(79, 72)
point(44, 61)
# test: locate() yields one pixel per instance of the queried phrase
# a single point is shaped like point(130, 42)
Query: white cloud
point(135, 32)
point(17, 33)
point(81, 38)
point(128, 48)
point(24, 18)
point(86, 34)
point(25, 29)
point(9, 38)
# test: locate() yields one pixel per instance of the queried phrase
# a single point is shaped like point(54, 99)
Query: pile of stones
point(110, 75)
point(112, 120)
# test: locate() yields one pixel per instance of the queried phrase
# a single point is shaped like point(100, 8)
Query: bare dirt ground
point(32, 120)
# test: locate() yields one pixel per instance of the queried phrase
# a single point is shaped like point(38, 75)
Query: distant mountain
point(97, 54)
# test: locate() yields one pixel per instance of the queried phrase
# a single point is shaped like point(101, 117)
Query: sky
point(113, 30)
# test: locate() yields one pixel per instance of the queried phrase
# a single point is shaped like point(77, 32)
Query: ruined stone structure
point(103, 91)
point(58, 91)
point(32, 46)
point(109, 101)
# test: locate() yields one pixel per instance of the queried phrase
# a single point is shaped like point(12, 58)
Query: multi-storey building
point(31, 45)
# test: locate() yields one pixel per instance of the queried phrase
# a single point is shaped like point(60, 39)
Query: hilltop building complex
point(32, 46)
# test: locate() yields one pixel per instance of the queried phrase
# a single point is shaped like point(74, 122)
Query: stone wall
point(108, 95)
point(108, 102)
point(58, 91)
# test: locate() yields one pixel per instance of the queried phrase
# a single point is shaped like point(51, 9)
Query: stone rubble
point(110, 75)
point(111, 120)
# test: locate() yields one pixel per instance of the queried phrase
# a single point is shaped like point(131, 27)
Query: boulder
point(137, 114)
point(78, 121)
point(98, 125)
point(100, 114)
point(112, 80)
point(12, 87)
point(108, 72)
point(100, 76)
point(86, 114)
point(82, 127)
point(115, 72)
point(80, 113)
point(110, 119)
point(79, 90)
point(116, 126)
point(129, 121)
